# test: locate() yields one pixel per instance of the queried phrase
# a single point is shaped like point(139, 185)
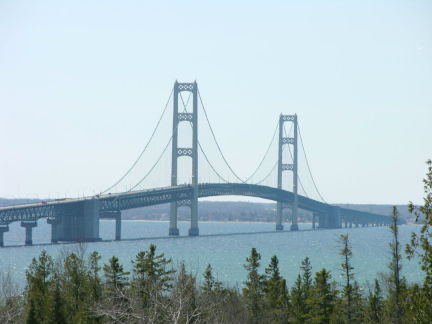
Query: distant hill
point(232, 211)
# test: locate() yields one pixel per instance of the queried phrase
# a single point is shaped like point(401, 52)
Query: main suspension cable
point(209, 163)
point(268, 174)
point(265, 154)
point(152, 168)
point(145, 147)
point(307, 163)
point(217, 144)
point(199, 144)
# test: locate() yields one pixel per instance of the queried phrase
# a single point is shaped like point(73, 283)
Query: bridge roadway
point(78, 219)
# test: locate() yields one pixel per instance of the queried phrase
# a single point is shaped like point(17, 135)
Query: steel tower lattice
point(185, 151)
point(283, 140)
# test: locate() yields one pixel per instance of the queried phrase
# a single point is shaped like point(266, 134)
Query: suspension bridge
point(77, 220)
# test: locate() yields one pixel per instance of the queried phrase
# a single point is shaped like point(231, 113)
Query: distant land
point(234, 211)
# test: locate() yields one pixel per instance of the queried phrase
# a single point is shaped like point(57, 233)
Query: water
point(225, 252)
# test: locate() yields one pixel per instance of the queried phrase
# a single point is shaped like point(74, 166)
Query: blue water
point(225, 252)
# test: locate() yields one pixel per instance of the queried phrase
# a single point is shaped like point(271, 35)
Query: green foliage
point(39, 282)
point(276, 292)
point(254, 291)
point(210, 284)
point(298, 302)
point(375, 305)
point(421, 245)
point(116, 280)
point(323, 298)
point(395, 312)
point(351, 299)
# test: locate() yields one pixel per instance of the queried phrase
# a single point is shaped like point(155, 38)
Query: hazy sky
point(82, 84)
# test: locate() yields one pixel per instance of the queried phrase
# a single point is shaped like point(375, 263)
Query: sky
point(83, 83)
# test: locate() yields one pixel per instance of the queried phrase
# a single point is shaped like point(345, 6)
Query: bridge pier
point(279, 213)
point(54, 231)
point(173, 229)
point(323, 220)
point(350, 224)
point(3, 229)
point(313, 220)
point(194, 230)
point(76, 222)
point(118, 226)
point(116, 215)
point(28, 225)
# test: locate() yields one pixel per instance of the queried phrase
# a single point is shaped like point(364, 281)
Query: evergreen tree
point(306, 268)
point(150, 275)
point(375, 304)
point(395, 311)
point(76, 288)
point(276, 293)
point(351, 296)
point(116, 280)
point(39, 281)
point(95, 280)
point(31, 314)
point(298, 302)
point(57, 313)
point(323, 298)
point(253, 292)
point(421, 244)
point(210, 284)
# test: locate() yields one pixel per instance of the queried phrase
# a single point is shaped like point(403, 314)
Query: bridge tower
point(283, 140)
point(185, 151)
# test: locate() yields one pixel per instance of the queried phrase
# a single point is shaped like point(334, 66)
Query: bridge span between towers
point(77, 220)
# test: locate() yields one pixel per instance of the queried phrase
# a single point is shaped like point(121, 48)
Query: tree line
point(78, 289)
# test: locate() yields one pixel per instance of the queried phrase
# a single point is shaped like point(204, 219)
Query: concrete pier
point(76, 222)
point(3, 229)
point(28, 225)
point(118, 227)
point(54, 229)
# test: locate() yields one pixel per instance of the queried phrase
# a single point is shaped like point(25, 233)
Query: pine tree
point(253, 292)
point(116, 280)
point(210, 284)
point(31, 314)
point(375, 304)
point(150, 275)
point(351, 297)
point(323, 297)
point(57, 315)
point(298, 302)
point(395, 311)
point(421, 246)
point(306, 268)
point(276, 293)
point(39, 281)
point(94, 278)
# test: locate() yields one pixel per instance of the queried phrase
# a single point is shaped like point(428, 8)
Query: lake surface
point(223, 249)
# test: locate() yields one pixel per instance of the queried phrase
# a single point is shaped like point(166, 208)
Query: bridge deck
point(142, 198)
